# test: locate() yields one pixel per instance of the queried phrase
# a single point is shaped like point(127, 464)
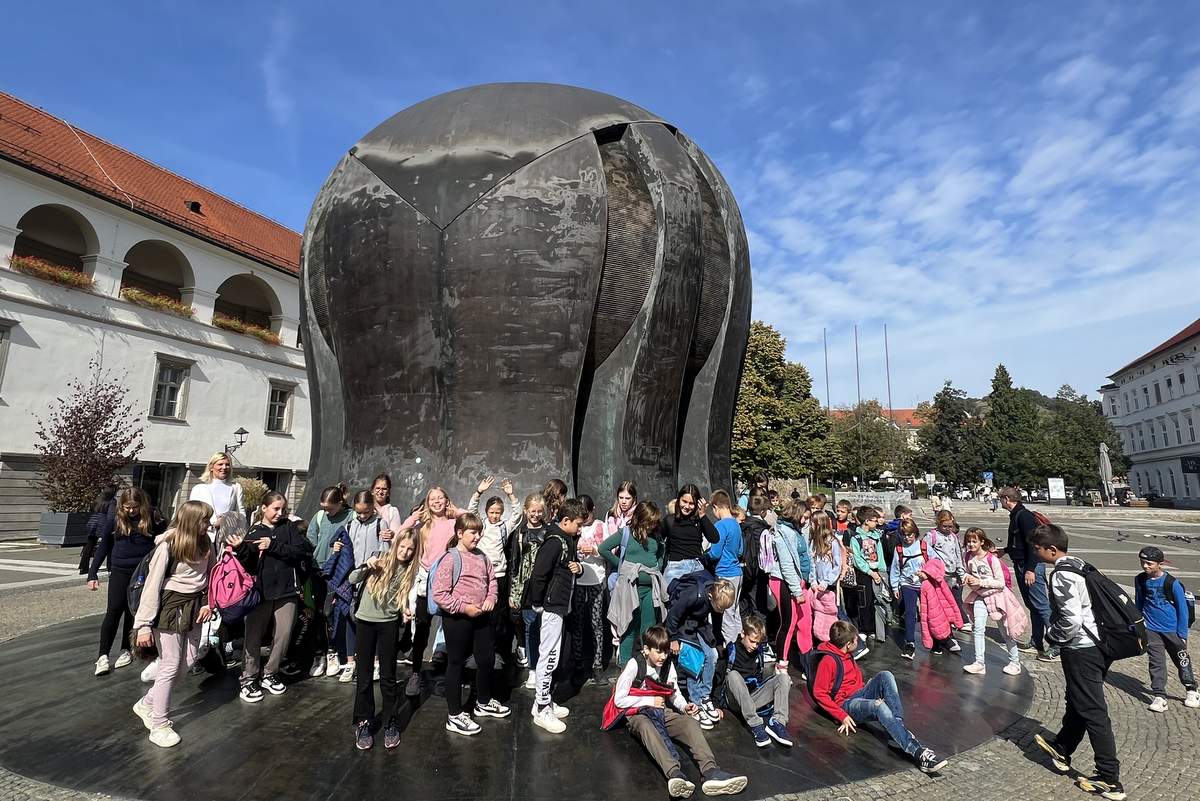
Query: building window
point(1182, 383)
point(1141, 437)
point(1126, 397)
point(1162, 426)
point(1178, 433)
point(1157, 393)
point(6, 327)
point(1170, 394)
point(279, 407)
point(1191, 428)
point(1187, 486)
point(1146, 395)
point(1153, 436)
point(1112, 406)
point(1171, 473)
point(170, 390)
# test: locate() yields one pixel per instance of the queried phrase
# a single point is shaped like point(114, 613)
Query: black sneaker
point(391, 735)
point(363, 740)
point(1113, 791)
point(1062, 762)
point(908, 651)
point(251, 693)
point(718, 782)
point(929, 762)
point(290, 669)
point(678, 786)
point(1049, 655)
point(936, 650)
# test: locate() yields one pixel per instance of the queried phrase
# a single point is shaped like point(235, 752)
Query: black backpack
point(811, 660)
point(1169, 591)
point(1121, 629)
point(133, 596)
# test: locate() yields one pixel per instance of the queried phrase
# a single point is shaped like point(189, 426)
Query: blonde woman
point(174, 606)
point(218, 489)
point(388, 598)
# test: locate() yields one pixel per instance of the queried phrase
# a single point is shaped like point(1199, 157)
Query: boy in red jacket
point(838, 690)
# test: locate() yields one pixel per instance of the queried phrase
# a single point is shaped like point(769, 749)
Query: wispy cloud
point(280, 103)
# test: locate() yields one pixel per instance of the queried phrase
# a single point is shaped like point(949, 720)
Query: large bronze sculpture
point(530, 280)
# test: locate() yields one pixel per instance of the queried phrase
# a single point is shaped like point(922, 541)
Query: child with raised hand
point(727, 556)
point(173, 608)
point(434, 521)
point(496, 532)
point(836, 687)
point(277, 553)
point(1162, 599)
point(989, 597)
point(752, 687)
point(641, 557)
point(390, 581)
point(551, 586)
point(695, 599)
point(464, 588)
point(870, 569)
point(586, 624)
point(647, 698)
point(524, 544)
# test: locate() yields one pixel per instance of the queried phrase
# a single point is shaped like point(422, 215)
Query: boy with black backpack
point(1093, 623)
point(1169, 613)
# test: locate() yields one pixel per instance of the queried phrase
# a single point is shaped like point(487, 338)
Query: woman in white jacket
point(218, 489)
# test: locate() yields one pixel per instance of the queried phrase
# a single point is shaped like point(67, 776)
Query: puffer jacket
point(939, 610)
point(1002, 603)
point(824, 607)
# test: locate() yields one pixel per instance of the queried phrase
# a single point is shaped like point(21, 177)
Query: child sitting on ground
point(838, 690)
point(752, 688)
point(647, 697)
point(693, 601)
point(1162, 599)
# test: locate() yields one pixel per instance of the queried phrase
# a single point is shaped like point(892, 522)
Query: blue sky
point(1015, 182)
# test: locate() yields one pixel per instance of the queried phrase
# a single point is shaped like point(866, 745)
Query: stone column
point(106, 273)
point(8, 238)
point(202, 302)
point(287, 328)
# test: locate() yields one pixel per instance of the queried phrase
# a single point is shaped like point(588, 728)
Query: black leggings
point(117, 609)
point(376, 640)
point(466, 636)
point(420, 638)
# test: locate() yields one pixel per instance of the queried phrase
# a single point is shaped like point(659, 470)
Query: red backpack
point(1041, 519)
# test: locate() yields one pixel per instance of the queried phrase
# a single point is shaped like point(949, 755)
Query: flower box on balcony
point(47, 271)
point(242, 327)
point(157, 302)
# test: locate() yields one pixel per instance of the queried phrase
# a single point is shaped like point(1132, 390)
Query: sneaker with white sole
point(719, 782)
point(346, 674)
point(375, 675)
point(145, 712)
point(549, 721)
point(560, 712)
point(1113, 791)
point(318, 668)
point(929, 762)
point(1013, 668)
point(530, 682)
point(759, 733)
point(711, 710)
point(124, 658)
point(1192, 701)
point(462, 724)
point(908, 651)
point(164, 736)
point(273, 685)
point(701, 717)
point(332, 666)
point(678, 786)
point(967, 628)
point(251, 693)
point(975, 669)
point(102, 666)
point(522, 660)
point(149, 672)
point(778, 732)
point(1061, 762)
point(953, 646)
point(1159, 704)
point(492, 709)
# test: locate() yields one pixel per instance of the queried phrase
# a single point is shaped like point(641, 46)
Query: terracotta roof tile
point(1187, 333)
point(904, 418)
point(45, 143)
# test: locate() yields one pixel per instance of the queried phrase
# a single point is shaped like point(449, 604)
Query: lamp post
point(239, 437)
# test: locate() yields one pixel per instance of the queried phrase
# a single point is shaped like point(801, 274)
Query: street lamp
point(239, 438)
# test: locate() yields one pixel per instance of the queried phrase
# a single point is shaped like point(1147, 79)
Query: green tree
point(1010, 433)
point(868, 442)
point(779, 428)
point(1070, 437)
point(951, 440)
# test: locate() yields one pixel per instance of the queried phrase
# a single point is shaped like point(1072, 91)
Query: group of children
point(700, 615)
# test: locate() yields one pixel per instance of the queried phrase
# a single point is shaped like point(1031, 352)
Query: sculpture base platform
point(61, 725)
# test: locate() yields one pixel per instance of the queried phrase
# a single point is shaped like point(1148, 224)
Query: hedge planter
point(63, 528)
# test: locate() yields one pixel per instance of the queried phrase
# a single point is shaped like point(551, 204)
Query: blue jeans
point(680, 568)
point(910, 597)
point(879, 700)
point(1036, 599)
point(533, 635)
point(700, 689)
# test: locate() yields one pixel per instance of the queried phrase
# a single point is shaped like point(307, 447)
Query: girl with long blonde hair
point(173, 607)
point(434, 521)
point(386, 599)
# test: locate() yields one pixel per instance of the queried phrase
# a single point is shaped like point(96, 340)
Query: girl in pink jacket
point(988, 596)
point(939, 610)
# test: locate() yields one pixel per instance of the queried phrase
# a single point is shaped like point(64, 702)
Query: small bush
point(253, 492)
point(55, 273)
point(242, 327)
point(155, 301)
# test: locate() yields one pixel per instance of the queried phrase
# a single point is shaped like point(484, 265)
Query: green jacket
point(859, 556)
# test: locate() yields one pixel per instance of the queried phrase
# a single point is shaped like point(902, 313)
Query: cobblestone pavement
point(1157, 751)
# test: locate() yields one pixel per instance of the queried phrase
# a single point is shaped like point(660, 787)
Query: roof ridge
point(144, 160)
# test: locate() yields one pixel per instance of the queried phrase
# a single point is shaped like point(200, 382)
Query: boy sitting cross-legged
point(647, 697)
point(752, 688)
point(838, 690)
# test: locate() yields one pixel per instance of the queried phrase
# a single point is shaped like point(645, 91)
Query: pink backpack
point(1008, 576)
point(231, 590)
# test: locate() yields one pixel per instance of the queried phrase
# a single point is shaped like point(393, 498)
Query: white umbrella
point(1106, 473)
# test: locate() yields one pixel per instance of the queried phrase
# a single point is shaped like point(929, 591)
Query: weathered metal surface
point(528, 280)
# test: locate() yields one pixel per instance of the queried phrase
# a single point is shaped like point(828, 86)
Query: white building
point(1154, 403)
point(70, 199)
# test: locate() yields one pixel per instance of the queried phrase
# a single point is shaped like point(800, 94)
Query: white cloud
point(279, 99)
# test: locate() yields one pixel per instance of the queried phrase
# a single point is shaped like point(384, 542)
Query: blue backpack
point(431, 605)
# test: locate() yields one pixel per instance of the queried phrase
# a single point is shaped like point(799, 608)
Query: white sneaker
point(332, 668)
point(375, 675)
point(1159, 704)
point(1193, 699)
point(522, 661)
point(953, 647)
point(462, 724)
point(318, 668)
point(144, 711)
point(102, 666)
point(549, 721)
point(967, 628)
point(164, 736)
point(149, 672)
point(347, 673)
point(123, 659)
point(560, 712)
point(531, 681)
point(1013, 668)
point(975, 669)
